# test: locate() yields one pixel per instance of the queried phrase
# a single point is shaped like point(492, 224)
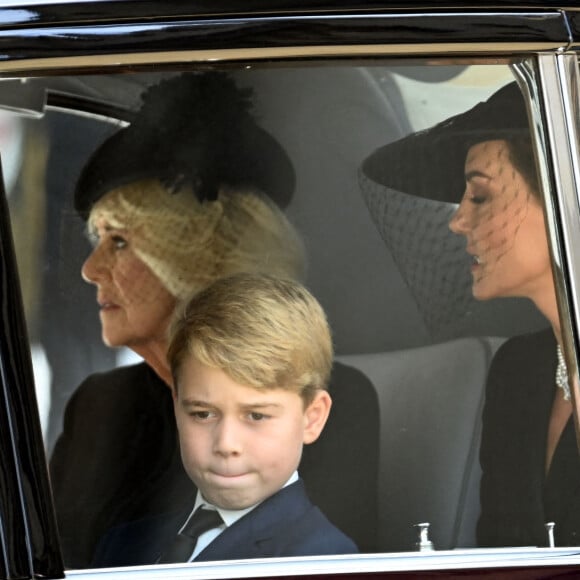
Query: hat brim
point(430, 163)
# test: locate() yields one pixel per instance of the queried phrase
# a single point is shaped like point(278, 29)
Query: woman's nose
point(95, 266)
point(227, 438)
point(458, 223)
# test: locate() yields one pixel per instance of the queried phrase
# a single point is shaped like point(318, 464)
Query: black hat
point(410, 187)
point(193, 129)
point(430, 163)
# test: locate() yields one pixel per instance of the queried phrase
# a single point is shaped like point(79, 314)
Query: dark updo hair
point(522, 156)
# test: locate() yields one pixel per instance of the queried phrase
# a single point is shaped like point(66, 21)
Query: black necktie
point(184, 543)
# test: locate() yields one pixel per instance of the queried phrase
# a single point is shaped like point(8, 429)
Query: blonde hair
point(188, 244)
point(263, 332)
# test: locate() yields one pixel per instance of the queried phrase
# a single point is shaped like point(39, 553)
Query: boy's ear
point(315, 416)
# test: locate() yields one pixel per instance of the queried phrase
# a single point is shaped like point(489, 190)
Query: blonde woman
point(174, 202)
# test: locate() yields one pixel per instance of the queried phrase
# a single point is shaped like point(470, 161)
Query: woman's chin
point(482, 292)
point(113, 340)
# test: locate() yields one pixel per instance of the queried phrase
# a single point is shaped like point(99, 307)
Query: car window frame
point(555, 110)
point(24, 443)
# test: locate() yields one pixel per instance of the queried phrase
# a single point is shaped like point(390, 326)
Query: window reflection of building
point(69, 327)
point(41, 159)
point(24, 151)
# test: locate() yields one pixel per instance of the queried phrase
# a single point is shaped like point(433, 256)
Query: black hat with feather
point(192, 130)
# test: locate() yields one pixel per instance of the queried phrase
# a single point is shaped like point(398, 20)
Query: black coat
point(516, 497)
point(286, 524)
point(117, 459)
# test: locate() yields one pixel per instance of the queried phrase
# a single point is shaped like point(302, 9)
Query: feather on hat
point(194, 129)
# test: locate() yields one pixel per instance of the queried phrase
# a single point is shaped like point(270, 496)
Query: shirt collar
point(231, 516)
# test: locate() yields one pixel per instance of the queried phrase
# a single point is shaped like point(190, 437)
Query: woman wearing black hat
point(484, 160)
point(174, 201)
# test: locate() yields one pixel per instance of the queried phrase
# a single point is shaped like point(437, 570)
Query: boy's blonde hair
point(262, 331)
point(188, 244)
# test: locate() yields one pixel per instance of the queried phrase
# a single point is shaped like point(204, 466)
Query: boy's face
point(238, 444)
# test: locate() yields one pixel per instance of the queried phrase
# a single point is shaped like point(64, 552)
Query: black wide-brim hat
point(411, 186)
point(430, 163)
point(192, 130)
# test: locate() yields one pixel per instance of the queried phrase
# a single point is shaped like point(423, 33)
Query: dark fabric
point(340, 470)
point(286, 524)
point(516, 497)
point(185, 541)
point(117, 459)
point(212, 144)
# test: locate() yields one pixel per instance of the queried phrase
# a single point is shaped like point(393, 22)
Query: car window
point(418, 309)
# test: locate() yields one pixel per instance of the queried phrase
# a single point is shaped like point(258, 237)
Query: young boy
point(250, 357)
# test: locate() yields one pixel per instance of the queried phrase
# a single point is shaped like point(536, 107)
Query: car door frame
point(51, 38)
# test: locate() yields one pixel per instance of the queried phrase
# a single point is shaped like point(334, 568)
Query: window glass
point(417, 310)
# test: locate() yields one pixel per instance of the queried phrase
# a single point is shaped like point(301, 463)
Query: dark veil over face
point(412, 187)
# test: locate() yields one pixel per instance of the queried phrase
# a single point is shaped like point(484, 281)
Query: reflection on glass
point(408, 297)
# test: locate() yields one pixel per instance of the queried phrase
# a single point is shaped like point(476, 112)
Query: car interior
point(398, 302)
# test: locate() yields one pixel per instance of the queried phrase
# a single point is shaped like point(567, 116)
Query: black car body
point(334, 80)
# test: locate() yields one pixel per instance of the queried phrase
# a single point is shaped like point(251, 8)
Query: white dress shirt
point(229, 517)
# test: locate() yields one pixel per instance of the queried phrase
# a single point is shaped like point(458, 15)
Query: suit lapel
point(258, 533)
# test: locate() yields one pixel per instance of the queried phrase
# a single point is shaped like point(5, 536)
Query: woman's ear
point(315, 416)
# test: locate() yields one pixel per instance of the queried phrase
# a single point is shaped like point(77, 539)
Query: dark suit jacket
point(516, 497)
point(117, 459)
point(286, 524)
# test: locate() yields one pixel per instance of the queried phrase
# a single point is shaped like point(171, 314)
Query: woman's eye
point(478, 199)
point(119, 242)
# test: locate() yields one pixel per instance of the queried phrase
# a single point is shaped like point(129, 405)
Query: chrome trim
point(355, 564)
point(527, 75)
point(559, 85)
point(568, 29)
point(97, 62)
